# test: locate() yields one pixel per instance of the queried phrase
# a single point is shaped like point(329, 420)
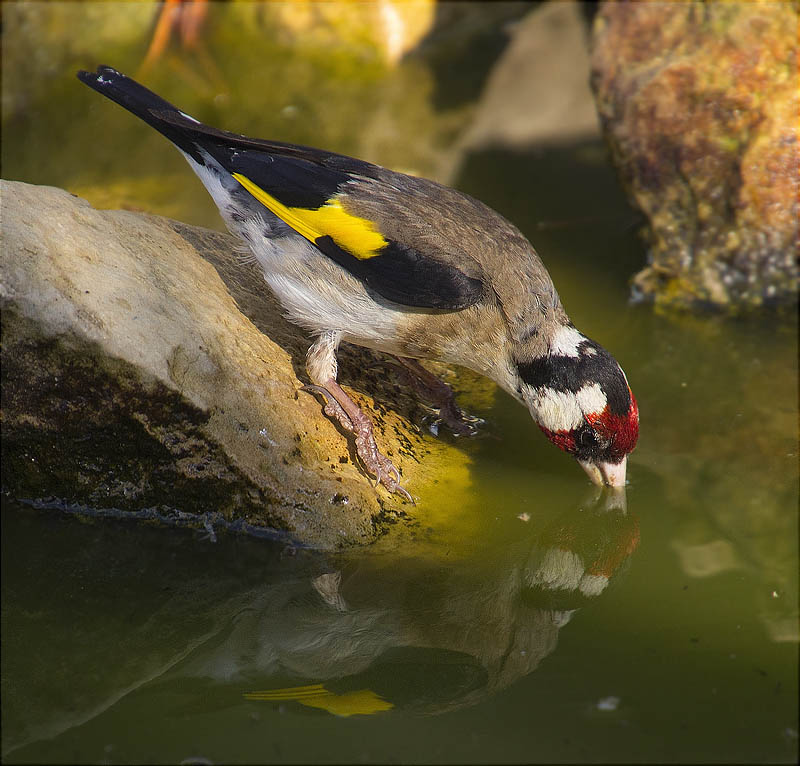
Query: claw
point(369, 456)
point(402, 491)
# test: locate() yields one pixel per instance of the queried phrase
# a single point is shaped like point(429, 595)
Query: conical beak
point(612, 474)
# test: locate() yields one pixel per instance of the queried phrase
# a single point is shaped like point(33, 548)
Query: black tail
point(191, 135)
point(154, 110)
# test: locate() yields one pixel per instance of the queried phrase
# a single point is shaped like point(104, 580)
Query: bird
point(362, 254)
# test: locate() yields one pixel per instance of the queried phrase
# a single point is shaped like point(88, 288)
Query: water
point(527, 620)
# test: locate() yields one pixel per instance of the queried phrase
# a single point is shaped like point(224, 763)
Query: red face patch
point(622, 431)
point(618, 432)
point(564, 440)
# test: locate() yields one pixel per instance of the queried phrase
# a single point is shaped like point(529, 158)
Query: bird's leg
point(441, 396)
point(322, 368)
point(366, 448)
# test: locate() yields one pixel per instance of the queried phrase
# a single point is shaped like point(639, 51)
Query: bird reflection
point(354, 634)
point(419, 635)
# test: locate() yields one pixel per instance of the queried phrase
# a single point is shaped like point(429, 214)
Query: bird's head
point(580, 398)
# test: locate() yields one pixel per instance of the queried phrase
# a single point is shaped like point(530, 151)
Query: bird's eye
point(586, 437)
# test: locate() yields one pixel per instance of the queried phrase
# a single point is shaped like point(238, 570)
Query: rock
point(538, 91)
point(133, 383)
point(699, 103)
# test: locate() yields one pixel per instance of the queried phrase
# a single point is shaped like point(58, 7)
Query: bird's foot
point(442, 397)
point(373, 460)
point(331, 407)
point(459, 422)
point(345, 411)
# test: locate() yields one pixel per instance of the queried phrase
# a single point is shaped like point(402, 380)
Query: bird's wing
point(347, 208)
point(410, 240)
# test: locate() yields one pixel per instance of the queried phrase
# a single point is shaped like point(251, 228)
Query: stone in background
point(699, 103)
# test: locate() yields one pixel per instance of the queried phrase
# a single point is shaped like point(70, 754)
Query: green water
point(539, 623)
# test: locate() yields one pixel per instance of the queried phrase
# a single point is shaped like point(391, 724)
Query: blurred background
point(428, 88)
point(649, 153)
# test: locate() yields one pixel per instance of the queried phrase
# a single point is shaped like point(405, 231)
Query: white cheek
point(556, 410)
point(566, 341)
point(591, 399)
point(593, 584)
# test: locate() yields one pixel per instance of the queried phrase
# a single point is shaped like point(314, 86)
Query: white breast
point(320, 295)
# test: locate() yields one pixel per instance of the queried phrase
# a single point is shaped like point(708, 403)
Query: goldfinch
point(358, 253)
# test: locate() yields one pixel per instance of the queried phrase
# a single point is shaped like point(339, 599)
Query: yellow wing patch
point(356, 235)
point(361, 702)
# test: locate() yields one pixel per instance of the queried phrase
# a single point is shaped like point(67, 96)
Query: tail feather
point(189, 133)
point(166, 118)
